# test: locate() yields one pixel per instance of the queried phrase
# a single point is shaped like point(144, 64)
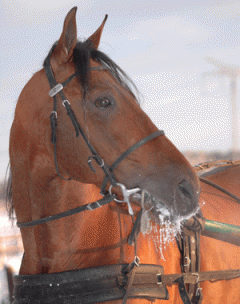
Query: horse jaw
point(158, 223)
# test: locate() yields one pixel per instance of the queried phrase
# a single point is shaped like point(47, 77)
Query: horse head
point(105, 108)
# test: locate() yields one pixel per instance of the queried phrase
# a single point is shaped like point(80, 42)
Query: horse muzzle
point(186, 199)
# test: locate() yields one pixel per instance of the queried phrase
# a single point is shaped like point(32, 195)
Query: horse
point(216, 254)
point(76, 212)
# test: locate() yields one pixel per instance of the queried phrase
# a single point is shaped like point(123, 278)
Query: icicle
point(145, 220)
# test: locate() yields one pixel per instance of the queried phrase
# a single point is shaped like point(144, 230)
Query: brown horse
point(53, 169)
point(218, 255)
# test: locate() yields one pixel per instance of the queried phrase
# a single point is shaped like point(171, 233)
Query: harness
point(114, 282)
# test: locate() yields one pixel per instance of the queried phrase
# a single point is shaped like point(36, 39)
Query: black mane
point(82, 54)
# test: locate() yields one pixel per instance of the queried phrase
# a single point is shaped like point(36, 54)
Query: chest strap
point(90, 285)
point(107, 283)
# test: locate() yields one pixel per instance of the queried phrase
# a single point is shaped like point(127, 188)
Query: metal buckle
point(89, 206)
point(197, 277)
point(95, 158)
point(55, 90)
point(126, 194)
point(136, 261)
point(188, 261)
point(54, 113)
point(199, 292)
point(64, 102)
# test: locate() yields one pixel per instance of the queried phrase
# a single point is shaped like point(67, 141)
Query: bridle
point(108, 196)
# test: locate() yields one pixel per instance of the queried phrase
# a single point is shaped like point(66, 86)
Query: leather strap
point(206, 181)
point(90, 285)
point(53, 119)
point(183, 291)
point(189, 245)
point(133, 268)
point(193, 278)
point(129, 151)
point(107, 283)
point(92, 206)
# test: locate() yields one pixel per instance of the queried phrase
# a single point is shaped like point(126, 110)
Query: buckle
point(196, 275)
point(93, 206)
point(136, 261)
point(99, 161)
point(54, 114)
point(199, 292)
point(55, 90)
point(65, 102)
point(187, 261)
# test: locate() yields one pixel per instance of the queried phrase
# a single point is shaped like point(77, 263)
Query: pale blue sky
point(160, 44)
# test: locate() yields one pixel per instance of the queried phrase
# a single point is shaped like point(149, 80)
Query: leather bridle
point(108, 196)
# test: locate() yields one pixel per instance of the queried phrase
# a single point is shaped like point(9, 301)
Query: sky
point(161, 45)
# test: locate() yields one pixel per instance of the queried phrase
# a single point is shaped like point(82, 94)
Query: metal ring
point(110, 191)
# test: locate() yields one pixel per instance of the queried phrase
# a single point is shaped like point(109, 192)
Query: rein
point(222, 231)
point(206, 181)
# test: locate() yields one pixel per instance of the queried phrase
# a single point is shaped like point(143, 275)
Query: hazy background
point(160, 44)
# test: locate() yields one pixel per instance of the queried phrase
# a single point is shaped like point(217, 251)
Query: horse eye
point(102, 103)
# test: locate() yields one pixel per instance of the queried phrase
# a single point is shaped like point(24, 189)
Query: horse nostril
point(186, 189)
point(188, 200)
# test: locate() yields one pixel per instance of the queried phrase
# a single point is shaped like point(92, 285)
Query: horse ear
point(67, 42)
point(95, 38)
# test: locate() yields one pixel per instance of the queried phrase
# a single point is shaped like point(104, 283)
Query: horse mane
point(82, 54)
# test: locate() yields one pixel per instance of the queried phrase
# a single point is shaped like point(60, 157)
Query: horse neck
point(79, 241)
point(57, 243)
point(88, 239)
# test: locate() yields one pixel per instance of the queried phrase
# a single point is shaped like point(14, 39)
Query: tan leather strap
point(194, 278)
point(189, 246)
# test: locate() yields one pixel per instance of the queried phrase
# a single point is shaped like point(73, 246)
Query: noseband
point(57, 88)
